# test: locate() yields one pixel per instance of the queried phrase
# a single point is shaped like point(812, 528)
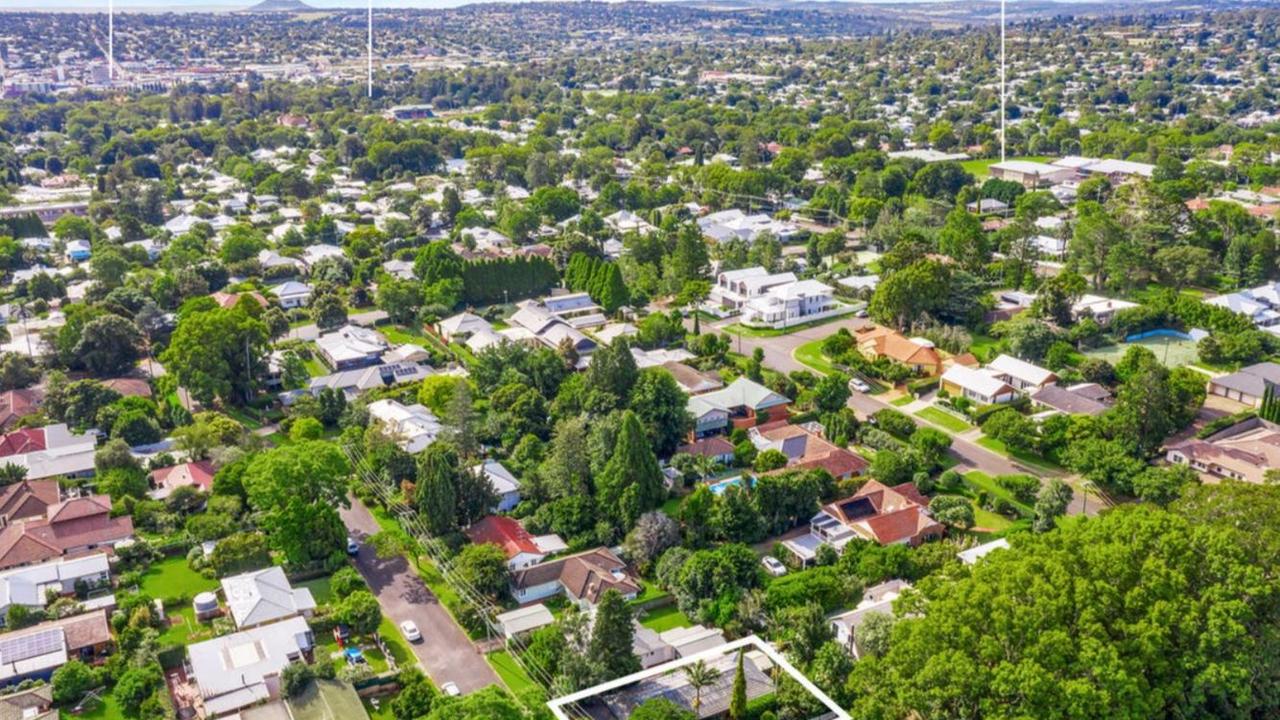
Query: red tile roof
point(22, 441)
point(69, 526)
point(28, 498)
point(199, 474)
point(504, 532)
point(15, 404)
point(895, 514)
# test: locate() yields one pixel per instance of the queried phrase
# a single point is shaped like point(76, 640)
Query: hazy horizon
point(232, 5)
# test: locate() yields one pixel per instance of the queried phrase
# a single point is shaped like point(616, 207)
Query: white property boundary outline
point(752, 641)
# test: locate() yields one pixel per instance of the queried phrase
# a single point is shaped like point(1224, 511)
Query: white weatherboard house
point(876, 599)
point(264, 596)
point(414, 426)
point(505, 485)
point(29, 586)
point(977, 385)
point(292, 294)
point(242, 669)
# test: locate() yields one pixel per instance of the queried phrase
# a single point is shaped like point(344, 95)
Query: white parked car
point(450, 689)
point(410, 630)
point(773, 566)
point(858, 385)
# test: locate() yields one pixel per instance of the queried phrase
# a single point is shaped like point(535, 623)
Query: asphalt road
point(445, 652)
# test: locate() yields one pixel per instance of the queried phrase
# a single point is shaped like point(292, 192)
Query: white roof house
point(462, 326)
point(414, 426)
point(1102, 309)
point(1020, 373)
point(625, 221)
point(27, 586)
point(794, 302)
point(733, 223)
point(351, 345)
point(505, 485)
point(977, 385)
point(272, 259)
point(876, 599)
point(242, 669)
point(976, 553)
point(313, 254)
point(292, 294)
point(264, 596)
point(525, 620)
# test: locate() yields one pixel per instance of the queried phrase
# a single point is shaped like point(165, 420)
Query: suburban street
point(779, 354)
point(445, 652)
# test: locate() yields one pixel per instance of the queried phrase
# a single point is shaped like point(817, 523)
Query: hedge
point(1219, 424)
point(923, 385)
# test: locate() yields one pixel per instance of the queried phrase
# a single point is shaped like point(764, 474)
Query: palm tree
point(705, 466)
point(700, 675)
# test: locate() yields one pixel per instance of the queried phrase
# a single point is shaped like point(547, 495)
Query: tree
point(217, 353)
point(661, 406)
point(873, 633)
point(1051, 502)
point(17, 372)
point(653, 533)
point(963, 239)
point(952, 510)
point(831, 393)
point(1166, 649)
point(484, 568)
point(660, 708)
point(770, 459)
point(109, 345)
point(436, 492)
point(72, 681)
point(360, 611)
point(295, 677)
point(415, 697)
point(401, 299)
point(1163, 485)
point(135, 686)
point(907, 294)
point(1012, 428)
point(631, 481)
point(738, 698)
point(306, 428)
point(1027, 337)
point(490, 703)
point(240, 553)
point(700, 676)
point(612, 637)
point(298, 488)
point(328, 311)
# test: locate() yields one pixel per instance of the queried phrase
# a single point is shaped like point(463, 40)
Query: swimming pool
point(718, 487)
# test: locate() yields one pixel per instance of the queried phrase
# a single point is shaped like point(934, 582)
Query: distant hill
point(281, 6)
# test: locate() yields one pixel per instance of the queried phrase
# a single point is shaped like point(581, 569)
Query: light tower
point(1002, 81)
point(370, 49)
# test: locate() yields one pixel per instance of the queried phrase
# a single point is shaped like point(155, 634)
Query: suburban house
point(505, 485)
point(977, 552)
point(17, 404)
point(1245, 451)
point(242, 669)
point(197, 474)
point(30, 586)
point(576, 309)
point(351, 346)
point(37, 651)
point(977, 385)
point(1078, 399)
point(27, 499)
point(458, 328)
point(534, 323)
point(734, 288)
point(655, 648)
point(292, 294)
point(1021, 374)
point(713, 446)
point(265, 596)
point(583, 577)
point(414, 426)
point(33, 704)
point(876, 512)
point(227, 300)
point(78, 251)
point(807, 449)
point(1248, 385)
point(625, 221)
point(353, 382)
point(49, 451)
point(313, 254)
point(742, 404)
point(797, 302)
point(71, 527)
point(875, 342)
point(875, 599)
point(691, 380)
point(522, 549)
point(733, 224)
point(1099, 308)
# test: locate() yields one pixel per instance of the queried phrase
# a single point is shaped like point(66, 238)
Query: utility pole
point(1002, 81)
point(370, 49)
point(111, 42)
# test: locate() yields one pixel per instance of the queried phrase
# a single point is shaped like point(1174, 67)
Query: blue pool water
point(718, 487)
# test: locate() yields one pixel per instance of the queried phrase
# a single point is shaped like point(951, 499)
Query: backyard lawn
point(106, 709)
point(979, 480)
point(319, 588)
point(510, 672)
point(665, 618)
point(902, 401)
point(327, 700)
point(943, 419)
point(171, 578)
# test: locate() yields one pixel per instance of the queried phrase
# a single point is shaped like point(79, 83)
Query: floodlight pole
point(370, 49)
point(1002, 82)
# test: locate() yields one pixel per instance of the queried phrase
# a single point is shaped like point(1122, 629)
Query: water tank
point(205, 603)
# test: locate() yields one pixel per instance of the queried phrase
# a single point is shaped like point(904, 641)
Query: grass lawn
point(665, 618)
point(979, 480)
point(649, 593)
point(244, 418)
point(105, 709)
point(980, 168)
point(1033, 461)
point(396, 644)
point(319, 588)
point(943, 419)
point(810, 354)
point(510, 672)
point(315, 368)
point(989, 520)
point(672, 506)
point(984, 347)
point(382, 712)
point(743, 330)
point(171, 578)
point(184, 629)
point(902, 401)
point(327, 700)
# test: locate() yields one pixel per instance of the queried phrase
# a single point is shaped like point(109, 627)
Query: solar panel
point(17, 649)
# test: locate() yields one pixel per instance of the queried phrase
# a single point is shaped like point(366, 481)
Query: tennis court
point(1172, 351)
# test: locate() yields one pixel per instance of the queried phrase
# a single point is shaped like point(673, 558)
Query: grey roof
point(742, 392)
point(1068, 401)
point(1251, 380)
point(262, 596)
point(231, 670)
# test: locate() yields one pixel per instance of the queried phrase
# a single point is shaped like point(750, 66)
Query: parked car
point(353, 547)
point(410, 630)
point(773, 566)
point(857, 385)
point(450, 689)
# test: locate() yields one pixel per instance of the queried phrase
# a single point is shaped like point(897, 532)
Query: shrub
point(295, 678)
point(894, 422)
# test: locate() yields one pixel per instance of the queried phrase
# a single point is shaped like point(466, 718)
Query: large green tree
point(217, 353)
point(631, 482)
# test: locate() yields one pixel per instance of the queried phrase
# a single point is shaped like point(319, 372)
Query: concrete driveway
point(445, 652)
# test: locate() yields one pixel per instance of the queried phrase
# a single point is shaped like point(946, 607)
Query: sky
point(225, 5)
